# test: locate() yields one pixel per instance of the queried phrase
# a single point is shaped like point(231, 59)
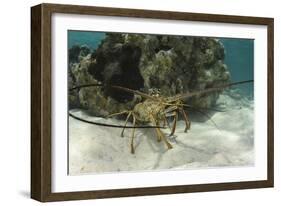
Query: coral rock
point(173, 64)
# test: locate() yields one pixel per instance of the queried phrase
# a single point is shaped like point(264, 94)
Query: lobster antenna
point(214, 89)
point(144, 95)
point(111, 125)
point(85, 85)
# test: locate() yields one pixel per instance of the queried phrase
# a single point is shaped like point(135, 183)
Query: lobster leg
point(174, 123)
point(133, 135)
point(187, 122)
point(122, 133)
point(160, 134)
point(166, 122)
point(156, 124)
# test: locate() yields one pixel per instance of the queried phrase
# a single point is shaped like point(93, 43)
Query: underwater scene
point(150, 102)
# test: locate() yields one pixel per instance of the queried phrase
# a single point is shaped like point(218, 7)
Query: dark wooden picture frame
point(41, 173)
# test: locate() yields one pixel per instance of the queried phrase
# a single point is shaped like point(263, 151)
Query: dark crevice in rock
point(118, 65)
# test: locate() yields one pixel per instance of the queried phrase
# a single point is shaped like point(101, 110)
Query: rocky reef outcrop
point(173, 64)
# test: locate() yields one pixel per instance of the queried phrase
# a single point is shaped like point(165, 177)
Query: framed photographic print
point(130, 102)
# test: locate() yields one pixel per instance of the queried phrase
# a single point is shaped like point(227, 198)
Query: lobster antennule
point(213, 89)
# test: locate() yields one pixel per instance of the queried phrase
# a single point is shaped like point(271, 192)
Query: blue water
point(91, 39)
point(239, 55)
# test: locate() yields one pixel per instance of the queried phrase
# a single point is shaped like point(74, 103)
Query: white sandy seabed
point(96, 149)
